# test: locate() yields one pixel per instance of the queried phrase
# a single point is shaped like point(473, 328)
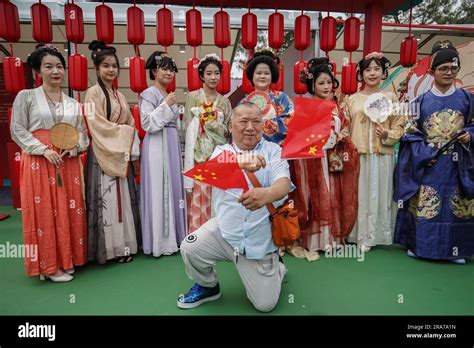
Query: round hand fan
point(378, 107)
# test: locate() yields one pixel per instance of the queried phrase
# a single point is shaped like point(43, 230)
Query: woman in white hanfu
point(163, 208)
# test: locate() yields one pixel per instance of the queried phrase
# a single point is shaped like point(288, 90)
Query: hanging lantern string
point(194, 55)
point(11, 49)
point(352, 15)
point(194, 4)
point(409, 27)
point(249, 5)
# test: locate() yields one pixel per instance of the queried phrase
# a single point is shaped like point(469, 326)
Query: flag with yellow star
point(222, 171)
point(309, 129)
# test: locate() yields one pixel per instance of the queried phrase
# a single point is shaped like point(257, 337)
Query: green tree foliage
point(437, 12)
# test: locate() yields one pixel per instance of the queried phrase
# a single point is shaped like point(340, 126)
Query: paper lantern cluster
point(41, 27)
point(349, 81)
point(302, 42)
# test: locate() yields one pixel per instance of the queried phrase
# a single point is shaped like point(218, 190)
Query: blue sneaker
point(198, 294)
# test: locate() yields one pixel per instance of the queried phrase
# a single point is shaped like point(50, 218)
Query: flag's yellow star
point(198, 177)
point(312, 150)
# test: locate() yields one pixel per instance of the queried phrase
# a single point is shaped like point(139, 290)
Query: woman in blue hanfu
point(277, 107)
point(435, 193)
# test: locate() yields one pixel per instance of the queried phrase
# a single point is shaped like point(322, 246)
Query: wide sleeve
point(111, 138)
point(396, 127)
point(466, 154)
point(154, 116)
point(287, 103)
point(413, 157)
point(83, 136)
point(188, 115)
point(19, 125)
point(344, 122)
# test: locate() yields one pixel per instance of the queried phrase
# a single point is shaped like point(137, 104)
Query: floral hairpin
point(305, 75)
point(374, 55)
point(209, 56)
point(50, 46)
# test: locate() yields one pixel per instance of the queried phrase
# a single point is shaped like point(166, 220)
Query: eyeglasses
point(444, 70)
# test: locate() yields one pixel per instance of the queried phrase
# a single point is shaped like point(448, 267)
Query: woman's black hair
point(157, 60)
point(208, 61)
point(99, 53)
point(316, 67)
point(364, 63)
point(41, 50)
point(265, 57)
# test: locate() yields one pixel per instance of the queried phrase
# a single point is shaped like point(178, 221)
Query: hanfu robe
point(376, 212)
point(435, 219)
point(275, 126)
point(327, 200)
point(163, 205)
point(206, 125)
point(53, 208)
point(111, 194)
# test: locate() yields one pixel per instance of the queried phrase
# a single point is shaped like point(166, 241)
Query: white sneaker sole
point(197, 303)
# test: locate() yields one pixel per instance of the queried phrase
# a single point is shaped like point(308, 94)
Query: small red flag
point(222, 171)
point(309, 129)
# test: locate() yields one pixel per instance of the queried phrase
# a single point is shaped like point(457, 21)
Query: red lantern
point(249, 31)
point(351, 34)
point(349, 78)
point(138, 122)
point(194, 28)
point(41, 25)
point(137, 74)
point(224, 83)
point(280, 84)
point(302, 32)
point(275, 30)
point(13, 74)
point(9, 22)
point(298, 86)
point(104, 24)
point(327, 38)
point(164, 27)
point(77, 72)
point(194, 82)
point(115, 83)
point(221, 29)
point(247, 87)
point(74, 22)
point(172, 86)
point(135, 26)
point(408, 51)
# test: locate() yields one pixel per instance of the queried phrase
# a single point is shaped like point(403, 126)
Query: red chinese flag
point(309, 128)
point(222, 171)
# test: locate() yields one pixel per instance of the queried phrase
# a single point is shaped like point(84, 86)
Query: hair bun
point(40, 45)
point(438, 46)
point(97, 45)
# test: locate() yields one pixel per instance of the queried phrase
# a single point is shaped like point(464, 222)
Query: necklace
point(58, 105)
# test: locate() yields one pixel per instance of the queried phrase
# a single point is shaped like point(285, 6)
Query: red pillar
point(373, 27)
